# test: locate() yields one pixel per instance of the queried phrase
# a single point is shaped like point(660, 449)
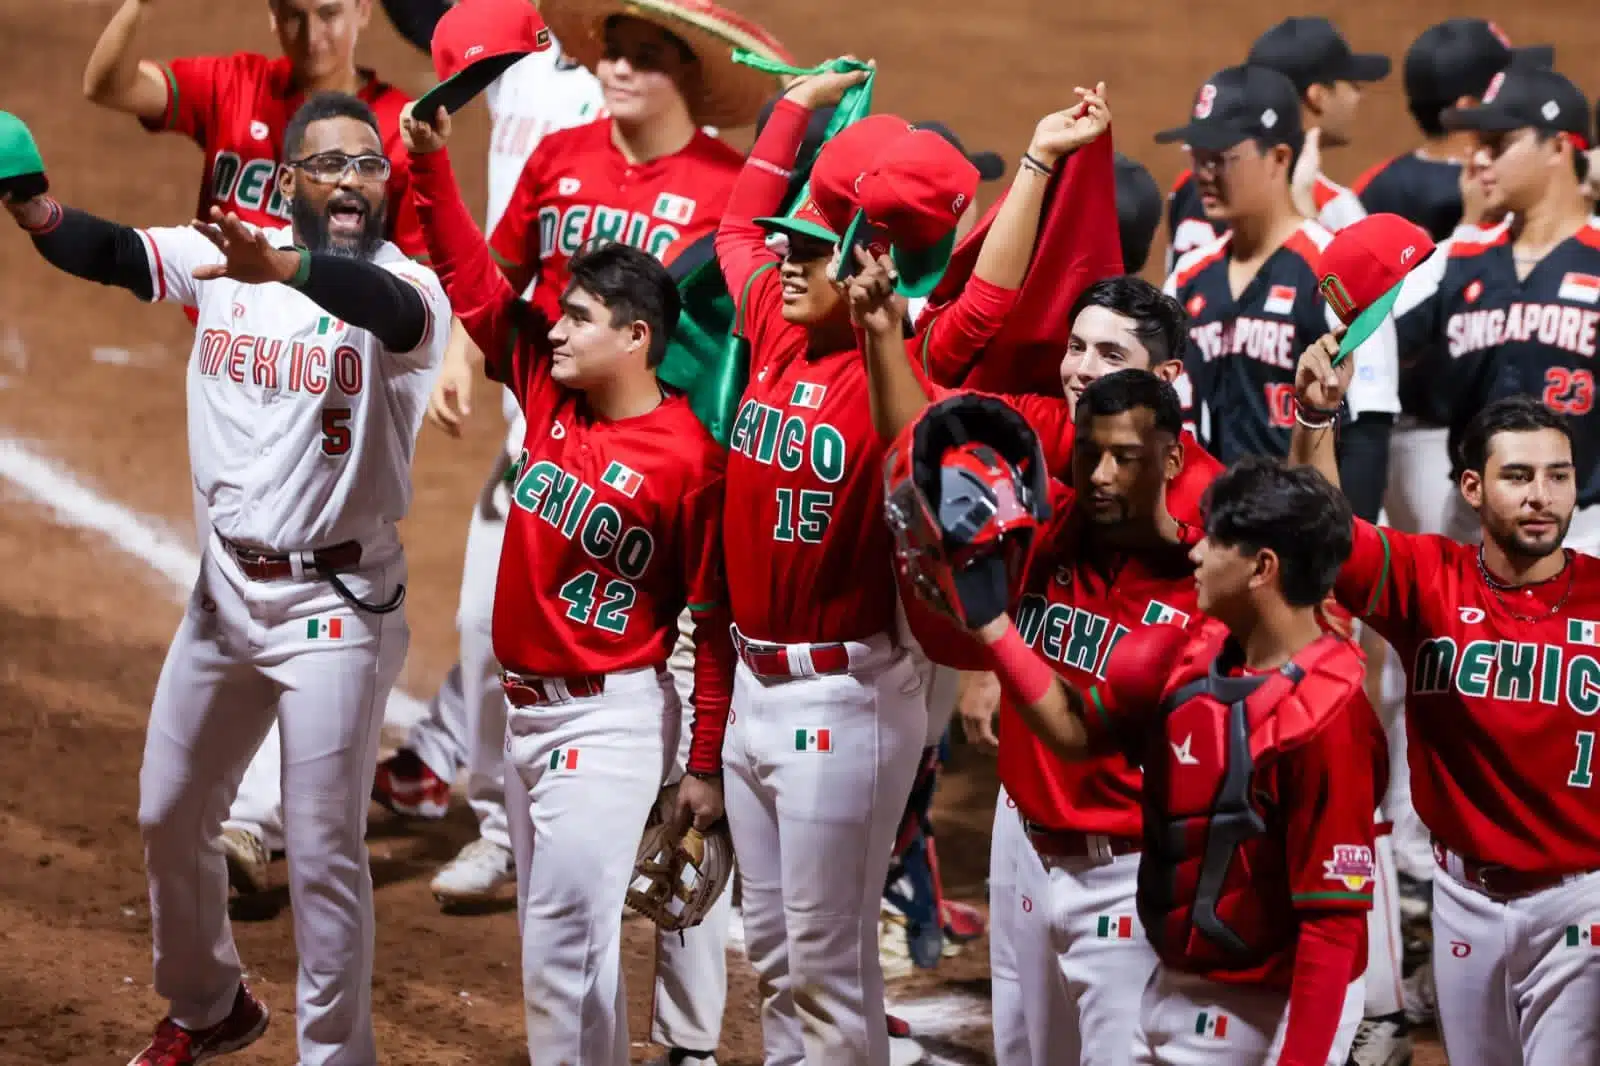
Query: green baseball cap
point(21, 168)
point(807, 221)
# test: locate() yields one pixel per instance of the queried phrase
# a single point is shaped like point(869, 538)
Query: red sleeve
point(1326, 955)
point(1386, 574)
point(707, 584)
point(741, 244)
point(511, 335)
point(194, 85)
point(1329, 789)
point(514, 242)
point(956, 334)
point(405, 228)
point(1051, 419)
point(1135, 676)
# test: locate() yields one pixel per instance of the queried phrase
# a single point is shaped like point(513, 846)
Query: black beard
point(311, 228)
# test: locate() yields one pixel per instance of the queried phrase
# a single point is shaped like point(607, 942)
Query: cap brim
point(991, 167)
point(1206, 136)
point(1366, 67)
point(1367, 322)
point(1485, 118)
point(460, 89)
point(799, 228)
point(725, 94)
point(922, 270)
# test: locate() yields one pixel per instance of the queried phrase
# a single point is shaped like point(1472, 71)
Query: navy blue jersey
point(1471, 333)
point(1188, 228)
point(1238, 379)
point(1424, 191)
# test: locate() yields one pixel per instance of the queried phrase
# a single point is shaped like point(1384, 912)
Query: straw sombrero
point(729, 95)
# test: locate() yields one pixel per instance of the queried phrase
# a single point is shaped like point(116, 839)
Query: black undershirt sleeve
point(1364, 462)
point(96, 250)
point(368, 297)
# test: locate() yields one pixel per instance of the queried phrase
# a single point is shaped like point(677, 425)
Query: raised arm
point(1319, 390)
point(895, 392)
point(87, 247)
point(115, 77)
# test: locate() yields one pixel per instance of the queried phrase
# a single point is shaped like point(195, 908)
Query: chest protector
point(1213, 882)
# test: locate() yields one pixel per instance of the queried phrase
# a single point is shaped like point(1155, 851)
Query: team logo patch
point(813, 740)
point(624, 479)
point(1582, 631)
point(1583, 935)
point(1159, 613)
point(259, 130)
point(1580, 288)
point(675, 209)
point(1280, 300)
point(1204, 99)
point(1351, 865)
point(1212, 1024)
point(1473, 290)
point(325, 628)
point(807, 395)
point(564, 759)
point(1196, 304)
point(1494, 87)
point(1114, 927)
point(568, 186)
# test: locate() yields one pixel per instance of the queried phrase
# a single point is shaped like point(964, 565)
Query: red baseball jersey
point(615, 527)
point(577, 186)
point(1502, 693)
point(236, 108)
point(1316, 800)
point(1073, 612)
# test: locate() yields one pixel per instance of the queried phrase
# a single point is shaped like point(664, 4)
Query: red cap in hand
point(474, 43)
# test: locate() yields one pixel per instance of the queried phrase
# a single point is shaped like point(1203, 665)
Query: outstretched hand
point(816, 91)
point(1319, 380)
point(422, 136)
point(1066, 131)
point(874, 304)
point(249, 256)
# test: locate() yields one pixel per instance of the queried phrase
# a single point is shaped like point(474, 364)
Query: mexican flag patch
point(324, 628)
point(1115, 927)
point(624, 479)
point(1211, 1024)
point(1580, 631)
point(1583, 935)
point(1159, 613)
point(813, 740)
point(807, 395)
point(564, 759)
point(328, 324)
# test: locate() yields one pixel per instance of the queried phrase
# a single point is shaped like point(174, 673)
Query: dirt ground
point(93, 383)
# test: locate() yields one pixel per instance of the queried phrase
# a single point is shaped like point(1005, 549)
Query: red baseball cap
point(1362, 270)
point(474, 43)
point(915, 192)
point(844, 158)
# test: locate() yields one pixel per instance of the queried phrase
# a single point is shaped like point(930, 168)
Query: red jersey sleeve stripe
point(1302, 245)
point(1367, 177)
point(1588, 235)
point(1193, 269)
point(1183, 178)
point(158, 274)
point(1465, 249)
point(1323, 191)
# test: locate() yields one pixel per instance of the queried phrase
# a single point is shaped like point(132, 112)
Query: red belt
point(1071, 844)
point(1496, 881)
point(269, 566)
point(542, 691)
point(772, 660)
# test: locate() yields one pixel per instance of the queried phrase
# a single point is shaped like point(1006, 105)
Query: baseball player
point(236, 107)
point(1262, 764)
point(1450, 64)
point(1251, 294)
point(618, 496)
point(316, 348)
point(1494, 642)
point(1328, 78)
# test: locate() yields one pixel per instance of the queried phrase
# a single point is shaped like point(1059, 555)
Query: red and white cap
point(474, 43)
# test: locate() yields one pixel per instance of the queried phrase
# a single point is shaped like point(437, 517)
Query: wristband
point(1025, 677)
point(1321, 417)
point(1036, 165)
point(302, 272)
point(51, 220)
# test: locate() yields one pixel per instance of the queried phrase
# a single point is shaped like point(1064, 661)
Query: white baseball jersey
point(536, 96)
point(301, 428)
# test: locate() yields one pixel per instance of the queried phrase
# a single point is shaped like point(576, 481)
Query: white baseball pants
point(1189, 1021)
point(813, 825)
point(1009, 851)
point(244, 657)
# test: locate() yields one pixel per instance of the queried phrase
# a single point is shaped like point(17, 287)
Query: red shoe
point(962, 923)
point(174, 1045)
point(406, 786)
point(899, 1028)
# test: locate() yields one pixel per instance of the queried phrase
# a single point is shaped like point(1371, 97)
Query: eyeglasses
point(331, 167)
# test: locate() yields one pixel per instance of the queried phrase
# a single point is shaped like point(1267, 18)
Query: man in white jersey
point(315, 349)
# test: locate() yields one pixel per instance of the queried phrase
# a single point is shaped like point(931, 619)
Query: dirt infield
point(93, 383)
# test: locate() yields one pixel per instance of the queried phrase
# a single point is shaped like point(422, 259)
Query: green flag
point(706, 359)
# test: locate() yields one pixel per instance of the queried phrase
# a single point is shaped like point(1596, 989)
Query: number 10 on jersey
point(803, 515)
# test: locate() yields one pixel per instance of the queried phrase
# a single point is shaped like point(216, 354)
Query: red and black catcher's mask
point(963, 482)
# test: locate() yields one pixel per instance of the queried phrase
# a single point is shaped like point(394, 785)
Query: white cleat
point(247, 858)
point(476, 875)
point(1421, 998)
point(1382, 1041)
point(666, 1059)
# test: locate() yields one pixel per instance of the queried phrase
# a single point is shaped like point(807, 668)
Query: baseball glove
point(676, 881)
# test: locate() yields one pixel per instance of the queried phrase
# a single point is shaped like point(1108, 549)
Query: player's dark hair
point(1295, 143)
point(1514, 414)
point(324, 106)
point(1261, 504)
point(634, 287)
point(1580, 158)
point(1159, 321)
point(684, 51)
point(1131, 390)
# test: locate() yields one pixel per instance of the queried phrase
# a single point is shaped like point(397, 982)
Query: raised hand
point(451, 401)
point(1065, 131)
point(874, 305)
point(422, 136)
point(249, 256)
point(815, 91)
point(1318, 381)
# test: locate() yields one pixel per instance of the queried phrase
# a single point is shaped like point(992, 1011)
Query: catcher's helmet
point(966, 480)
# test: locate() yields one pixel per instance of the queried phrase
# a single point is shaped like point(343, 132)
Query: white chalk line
point(76, 505)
